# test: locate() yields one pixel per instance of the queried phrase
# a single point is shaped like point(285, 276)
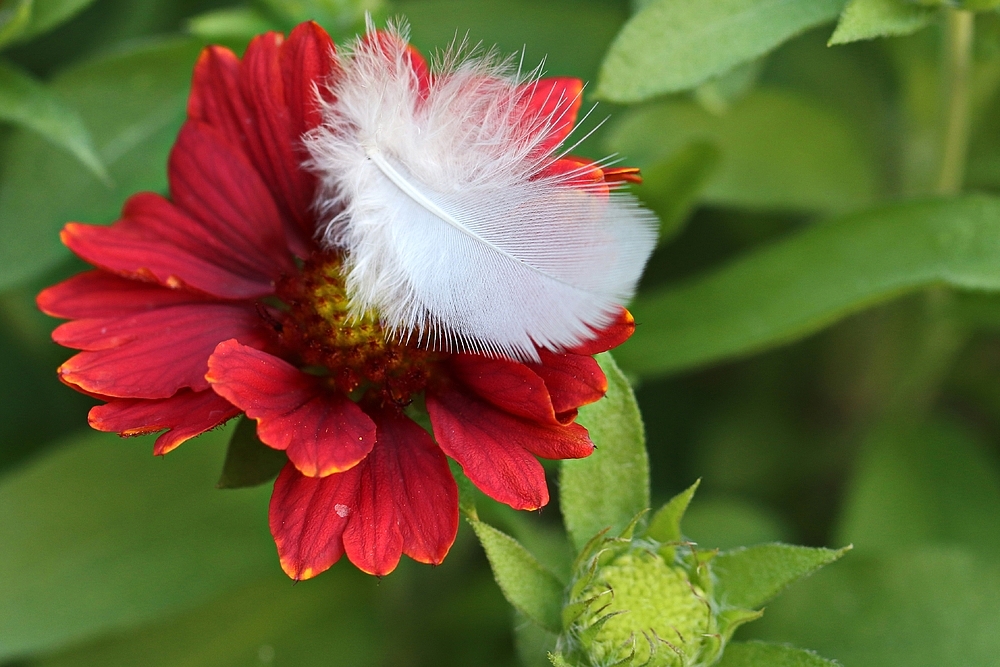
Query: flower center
point(318, 326)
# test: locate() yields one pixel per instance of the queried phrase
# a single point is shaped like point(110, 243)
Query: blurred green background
point(819, 340)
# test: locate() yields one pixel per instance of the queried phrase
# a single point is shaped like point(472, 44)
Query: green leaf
point(28, 103)
point(671, 187)
point(919, 482)
point(527, 585)
point(249, 462)
point(548, 543)
point(665, 526)
point(778, 150)
point(926, 607)
point(326, 622)
point(611, 486)
point(233, 23)
point(790, 289)
point(670, 46)
point(100, 535)
point(761, 654)
point(749, 577)
point(133, 102)
point(867, 19)
point(15, 15)
point(47, 14)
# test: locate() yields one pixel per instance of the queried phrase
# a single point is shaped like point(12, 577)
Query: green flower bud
point(653, 615)
point(640, 602)
point(650, 598)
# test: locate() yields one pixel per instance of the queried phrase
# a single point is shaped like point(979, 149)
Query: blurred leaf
point(978, 309)
point(801, 284)
point(105, 26)
point(35, 407)
point(570, 34)
point(918, 482)
point(665, 526)
point(858, 83)
point(974, 5)
point(15, 15)
point(133, 102)
point(467, 491)
point(232, 23)
point(867, 19)
point(328, 621)
point(749, 577)
point(671, 187)
point(778, 150)
point(662, 49)
point(723, 523)
point(527, 585)
point(28, 103)
point(339, 17)
point(249, 462)
point(47, 14)
point(609, 487)
point(533, 642)
point(719, 93)
point(930, 607)
point(100, 535)
point(762, 654)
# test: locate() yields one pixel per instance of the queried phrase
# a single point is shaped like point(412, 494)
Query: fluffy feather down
point(435, 190)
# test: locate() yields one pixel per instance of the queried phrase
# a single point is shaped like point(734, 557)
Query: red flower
point(218, 301)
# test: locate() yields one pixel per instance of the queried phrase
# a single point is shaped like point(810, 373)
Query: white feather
point(449, 231)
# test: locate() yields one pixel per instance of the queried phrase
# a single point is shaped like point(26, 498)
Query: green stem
point(957, 65)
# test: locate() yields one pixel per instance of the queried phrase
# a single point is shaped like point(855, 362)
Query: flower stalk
point(957, 70)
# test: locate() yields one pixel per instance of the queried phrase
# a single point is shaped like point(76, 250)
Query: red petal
point(509, 385)
point(622, 175)
point(421, 485)
point(578, 172)
point(215, 97)
point(307, 63)
point(217, 185)
point(155, 353)
point(373, 539)
point(572, 380)
point(323, 432)
point(264, 105)
point(610, 337)
point(184, 415)
point(272, 141)
point(155, 240)
point(552, 104)
point(308, 516)
point(102, 294)
point(489, 445)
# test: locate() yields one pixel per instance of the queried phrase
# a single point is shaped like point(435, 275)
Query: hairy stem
point(957, 66)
